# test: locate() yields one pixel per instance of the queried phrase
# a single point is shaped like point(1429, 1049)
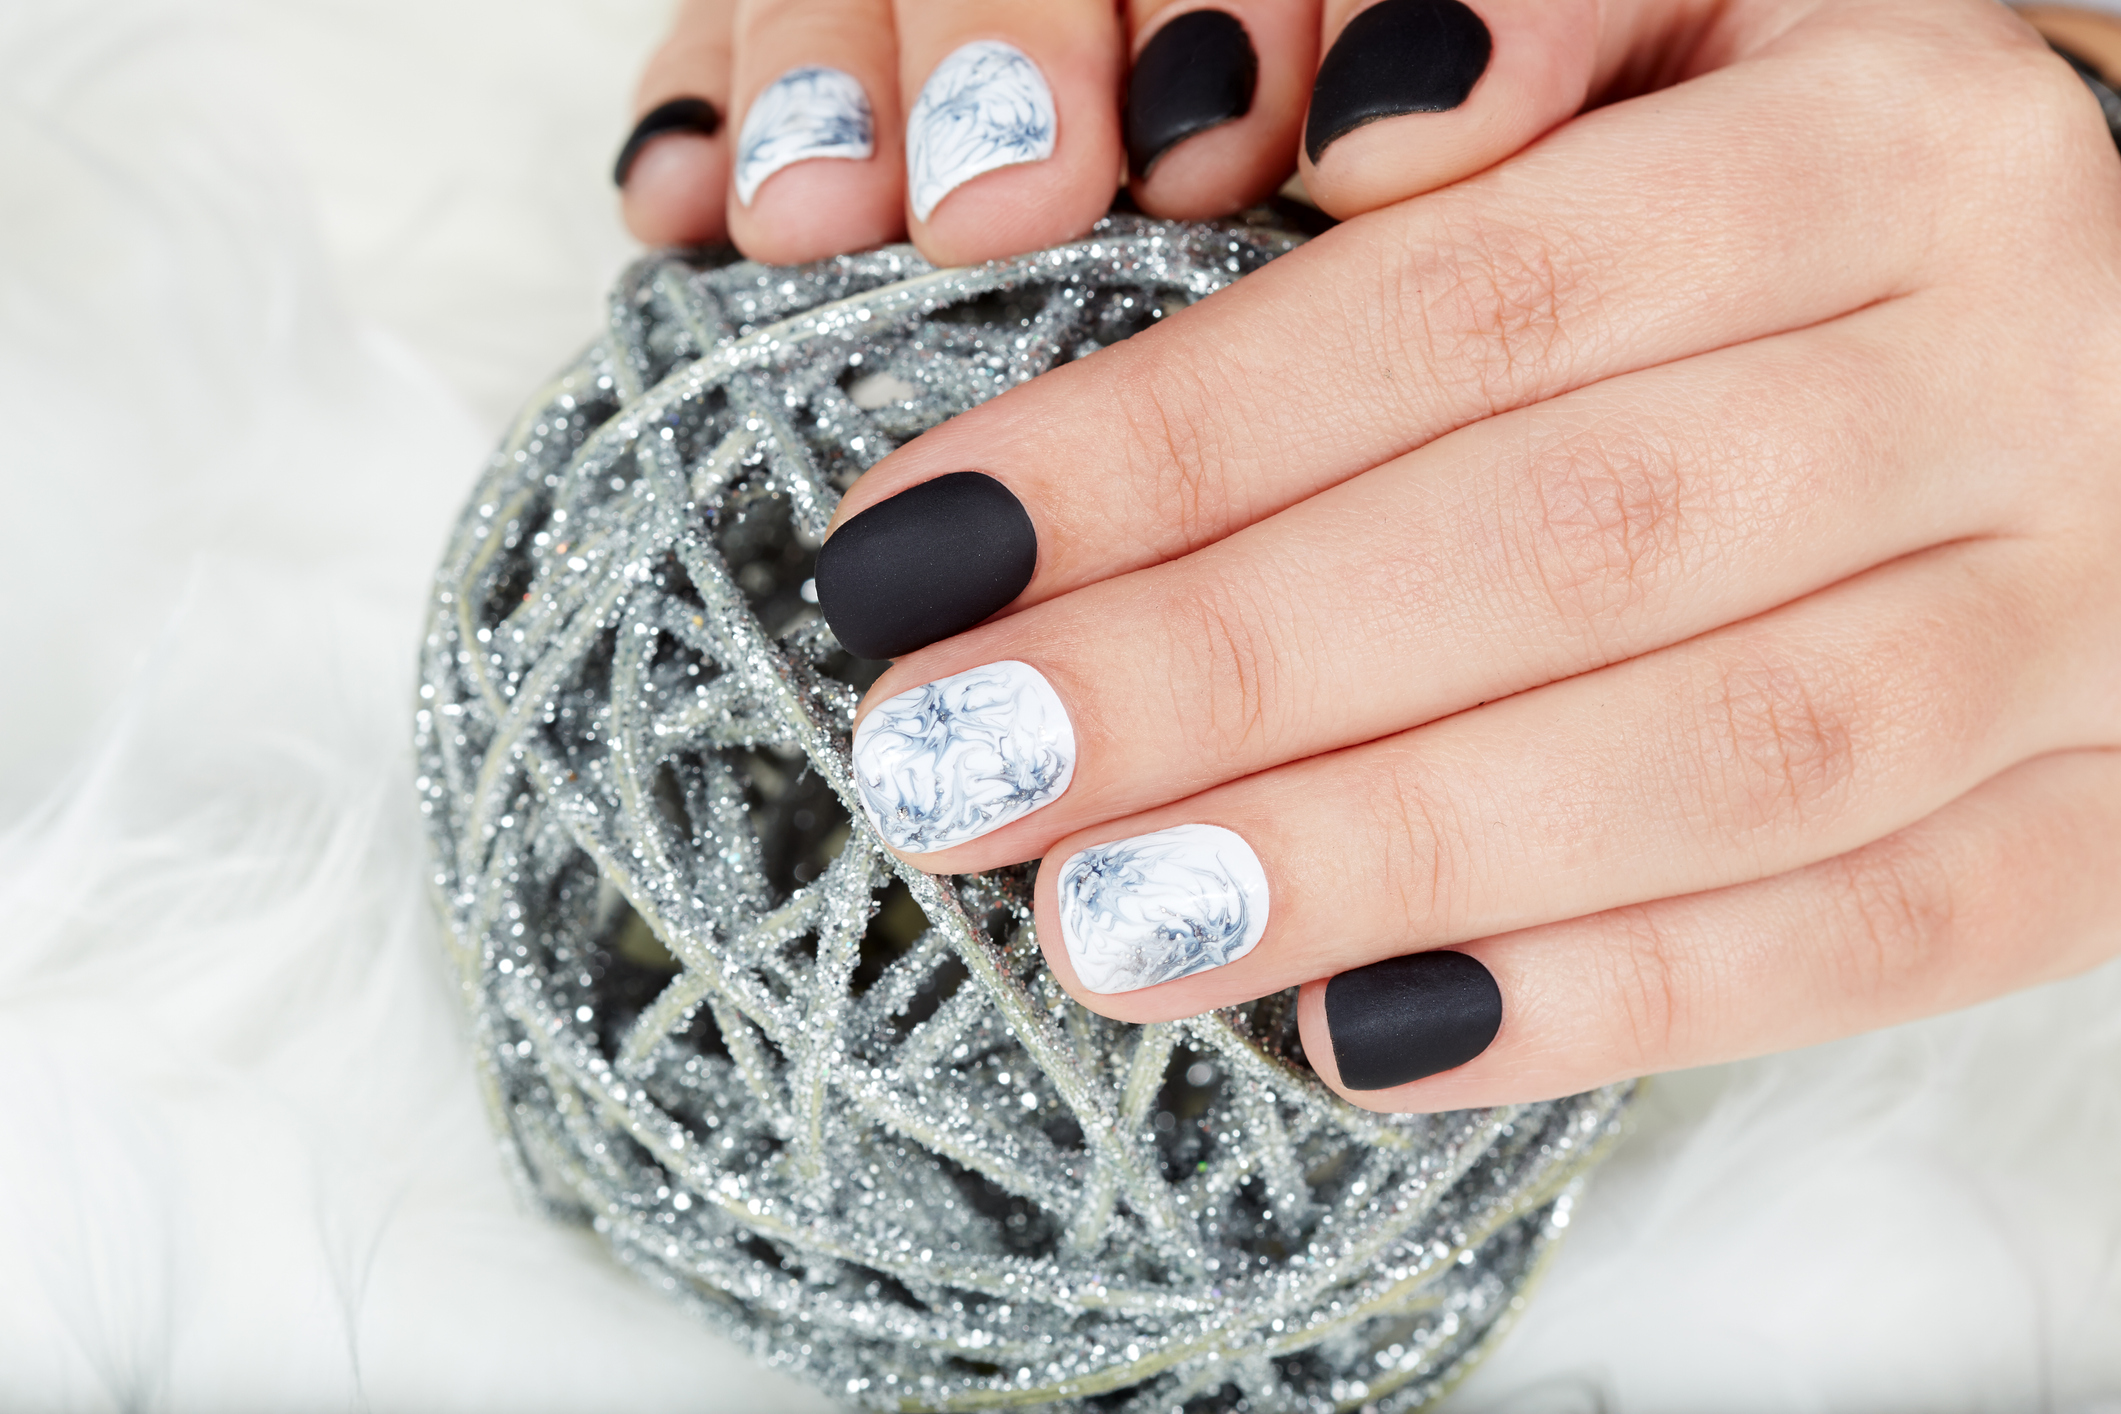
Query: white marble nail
point(986, 106)
point(1145, 910)
point(805, 113)
point(962, 756)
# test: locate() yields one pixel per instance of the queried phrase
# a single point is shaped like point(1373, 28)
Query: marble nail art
point(986, 106)
point(805, 113)
point(1145, 910)
point(964, 755)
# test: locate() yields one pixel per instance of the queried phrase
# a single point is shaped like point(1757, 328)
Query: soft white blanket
point(272, 274)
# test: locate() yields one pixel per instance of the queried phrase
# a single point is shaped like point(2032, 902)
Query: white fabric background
point(272, 274)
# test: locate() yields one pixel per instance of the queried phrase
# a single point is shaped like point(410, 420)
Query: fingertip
point(1214, 103)
point(672, 193)
point(1011, 144)
point(818, 208)
point(1413, 95)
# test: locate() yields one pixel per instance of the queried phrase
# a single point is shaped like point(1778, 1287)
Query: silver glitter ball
point(838, 1106)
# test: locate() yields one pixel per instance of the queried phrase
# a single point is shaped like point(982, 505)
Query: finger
point(1012, 142)
point(819, 169)
point(2010, 886)
point(1215, 100)
point(1519, 551)
point(674, 166)
point(1617, 244)
point(1737, 755)
point(1414, 94)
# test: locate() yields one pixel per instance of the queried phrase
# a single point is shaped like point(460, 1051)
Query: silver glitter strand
point(837, 1106)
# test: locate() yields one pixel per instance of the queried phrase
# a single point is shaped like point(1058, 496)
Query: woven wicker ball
point(838, 1106)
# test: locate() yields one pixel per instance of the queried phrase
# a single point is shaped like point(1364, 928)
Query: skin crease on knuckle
point(1483, 307)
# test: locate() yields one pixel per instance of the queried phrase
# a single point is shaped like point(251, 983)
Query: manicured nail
point(1195, 73)
point(962, 756)
point(930, 562)
point(679, 115)
point(1398, 56)
point(1149, 909)
point(1406, 1017)
point(805, 113)
point(986, 106)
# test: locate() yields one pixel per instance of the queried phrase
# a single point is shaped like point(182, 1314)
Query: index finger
point(1621, 241)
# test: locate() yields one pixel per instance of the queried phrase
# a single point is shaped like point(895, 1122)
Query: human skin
point(1673, 565)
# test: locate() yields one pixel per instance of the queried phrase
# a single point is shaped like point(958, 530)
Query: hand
point(1678, 569)
point(790, 126)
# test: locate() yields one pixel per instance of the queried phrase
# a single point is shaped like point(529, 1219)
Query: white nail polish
point(962, 756)
point(1156, 907)
point(986, 106)
point(805, 113)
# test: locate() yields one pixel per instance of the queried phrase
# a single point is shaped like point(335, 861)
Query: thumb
point(1415, 94)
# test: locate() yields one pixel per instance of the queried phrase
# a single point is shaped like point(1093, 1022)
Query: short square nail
point(930, 562)
point(679, 115)
point(985, 106)
point(805, 113)
point(1398, 56)
point(962, 756)
point(1407, 1017)
point(1197, 72)
point(1162, 906)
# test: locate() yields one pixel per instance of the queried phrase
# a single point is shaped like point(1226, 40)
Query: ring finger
point(1738, 755)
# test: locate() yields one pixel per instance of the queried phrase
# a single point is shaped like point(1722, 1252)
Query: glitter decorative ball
point(835, 1105)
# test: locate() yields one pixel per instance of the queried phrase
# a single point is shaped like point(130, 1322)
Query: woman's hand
point(1678, 569)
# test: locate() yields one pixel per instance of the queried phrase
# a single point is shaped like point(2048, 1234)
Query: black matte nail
point(1195, 73)
point(1407, 1017)
point(932, 561)
point(1399, 56)
point(679, 115)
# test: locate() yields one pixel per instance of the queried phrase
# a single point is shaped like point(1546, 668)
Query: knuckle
point(1612, 516)
point(1642, 980)
point(1899, 902)
point(1175, 448)
point(1420, 864)
point(1486, 306)
point(1782, 740)
point(2021, 114)
point(1227, 631)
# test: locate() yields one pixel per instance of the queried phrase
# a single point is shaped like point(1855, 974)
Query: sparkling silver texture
point(808, 112)
point(1157, 907)
point(836, 1106)
point(985, 106)
point(962, 756)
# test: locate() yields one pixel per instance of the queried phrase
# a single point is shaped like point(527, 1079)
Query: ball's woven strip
point(836, 1104)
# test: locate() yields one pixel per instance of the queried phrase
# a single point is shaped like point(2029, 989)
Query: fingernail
point(962, 756)
point(1399, 56)
point(1195, 73)
point(1406, 1017)
point(986, 106)
point(1153, 908)
point(930, 562)
point(679, 115)
point(805, 113)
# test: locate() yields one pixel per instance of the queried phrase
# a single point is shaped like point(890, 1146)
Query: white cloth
point(273, 274)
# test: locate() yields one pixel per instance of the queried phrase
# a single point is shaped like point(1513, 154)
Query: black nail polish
point(1399, 56)
point(1407, 1017)
point(679, 115)
point(932, 561)
point(1195, 73)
